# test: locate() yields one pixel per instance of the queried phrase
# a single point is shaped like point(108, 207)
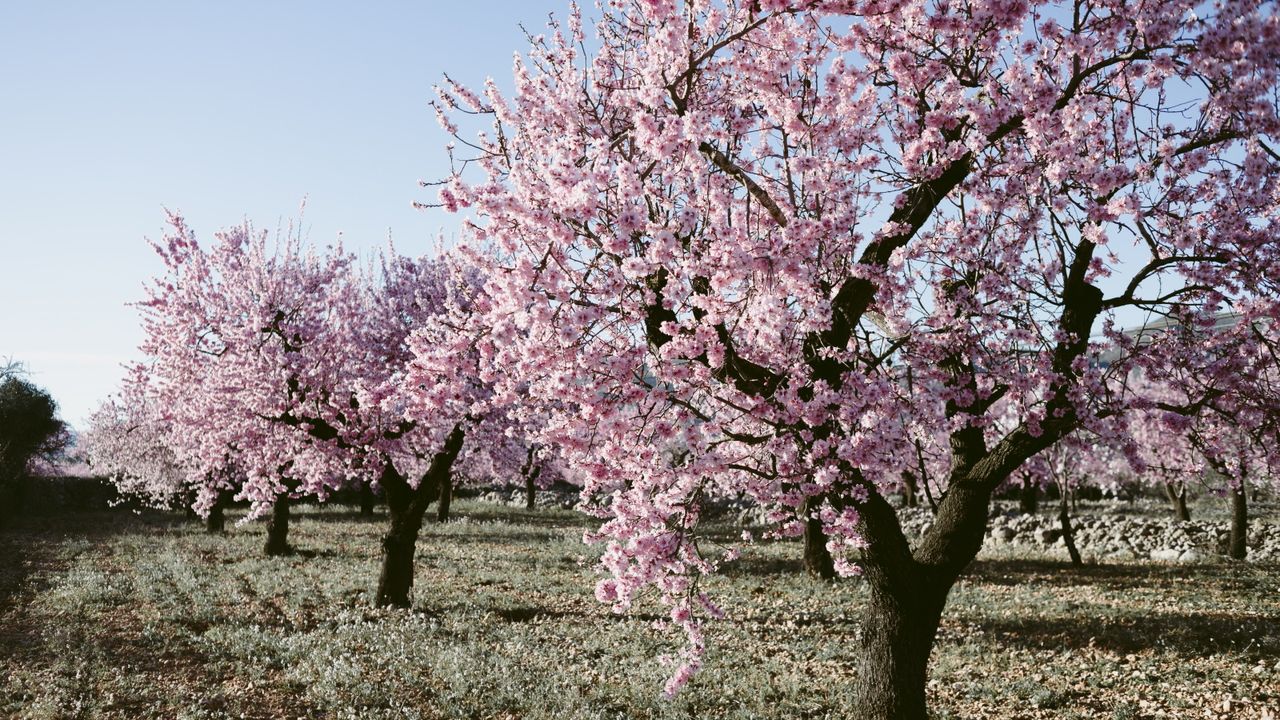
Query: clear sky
point(112, 111)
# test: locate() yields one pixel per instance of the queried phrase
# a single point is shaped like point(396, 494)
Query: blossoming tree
point(730, 231)
point(299, 362)
point(1230, 438)
point(134, 442)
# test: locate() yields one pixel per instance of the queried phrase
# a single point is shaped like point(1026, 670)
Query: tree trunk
point(1068, 535)
point(531, 489)
point(367, 500)
point(406, 507)
point(817, 558)
point(1177, 493)
point(217, 520)
point(1029, 497)
point(897, 640)
point(910, 490)
point(446, 499)
point(530, 471)
point(1239, 547)
point(398, 545)
point(278, 527)
point(909, 585)
point(900, 620)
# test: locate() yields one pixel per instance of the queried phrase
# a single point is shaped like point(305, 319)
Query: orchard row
point(805, 253)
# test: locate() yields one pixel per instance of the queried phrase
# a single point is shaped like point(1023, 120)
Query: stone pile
point(1117, 536)
point(550, 498)
point(1109, 535)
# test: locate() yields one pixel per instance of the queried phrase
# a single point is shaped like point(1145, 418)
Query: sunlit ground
point(123, 616)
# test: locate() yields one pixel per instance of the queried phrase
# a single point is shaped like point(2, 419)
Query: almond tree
point(729, 232)
point(300, 360)
point(1229, 438)
point(129, 440)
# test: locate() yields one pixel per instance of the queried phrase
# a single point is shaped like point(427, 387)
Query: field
point(114, 615)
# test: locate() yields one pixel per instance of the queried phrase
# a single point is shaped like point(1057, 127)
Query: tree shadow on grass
point(1188, 634)
point(560, 519)
point(466, 536)
point(34, 546)
point(113, 641)
point(1115, 627)
point(1114, 576)
point(764, 567)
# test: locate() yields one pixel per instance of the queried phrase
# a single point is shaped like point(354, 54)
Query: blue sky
point(111, 112)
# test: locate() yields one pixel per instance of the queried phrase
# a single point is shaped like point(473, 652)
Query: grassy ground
point(122, 616)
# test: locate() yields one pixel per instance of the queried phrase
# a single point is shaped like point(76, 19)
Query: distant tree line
point(30, 432)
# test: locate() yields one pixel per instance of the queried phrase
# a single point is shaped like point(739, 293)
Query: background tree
point(352, 373)
point(133, 440)
point(30, 431)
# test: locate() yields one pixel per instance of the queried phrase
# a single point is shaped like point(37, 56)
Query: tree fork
point(901, 618)
point(406, 507)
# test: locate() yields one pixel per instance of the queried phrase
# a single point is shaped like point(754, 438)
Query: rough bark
point(904, 608)
point(406, 507)
point(1068, 534)
point(1177, 494)
point(897, 640)
point(398, 546)
point(1238, 547)
point(278, 527)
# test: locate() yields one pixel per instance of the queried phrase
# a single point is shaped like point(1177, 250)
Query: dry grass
point(122, 616)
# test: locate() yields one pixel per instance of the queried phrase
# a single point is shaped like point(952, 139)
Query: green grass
point(122, 616)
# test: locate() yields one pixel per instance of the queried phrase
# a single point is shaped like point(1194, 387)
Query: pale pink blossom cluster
point(273, 367)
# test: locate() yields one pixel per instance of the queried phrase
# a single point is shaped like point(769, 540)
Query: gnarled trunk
point(406, 507)
point(897, 640)
point(278, 527)
point(908, 593)
point(1177, 494)
point(1239, 547)
point(398, 546)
